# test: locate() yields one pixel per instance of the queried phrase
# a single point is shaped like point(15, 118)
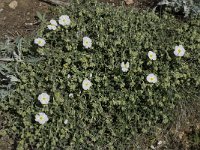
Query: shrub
point(118, 104)
point(187, 7)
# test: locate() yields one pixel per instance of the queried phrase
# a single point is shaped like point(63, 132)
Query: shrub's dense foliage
point(118, 104)
point(187, 7)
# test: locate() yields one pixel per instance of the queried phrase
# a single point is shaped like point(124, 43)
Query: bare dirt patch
point(19, 20)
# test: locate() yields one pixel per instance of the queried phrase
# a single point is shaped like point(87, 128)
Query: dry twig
point(57, 2)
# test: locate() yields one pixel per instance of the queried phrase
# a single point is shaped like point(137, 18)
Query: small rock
point(181, 135)
point(13, 4)
point(28, 24)
point(1, 10)
point(28, 18)
point(128, 2)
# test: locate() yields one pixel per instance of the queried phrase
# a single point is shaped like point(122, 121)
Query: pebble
point(129, 2)
point(13, 4)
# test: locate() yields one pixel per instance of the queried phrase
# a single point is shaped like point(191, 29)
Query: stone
point(13, 4)
point(129, 2)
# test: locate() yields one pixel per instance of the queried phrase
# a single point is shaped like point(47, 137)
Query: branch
point(57, 2)
point(9, 59)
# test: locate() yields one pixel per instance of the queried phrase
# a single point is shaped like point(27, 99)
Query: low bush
point(186, 7)
point(91, 100)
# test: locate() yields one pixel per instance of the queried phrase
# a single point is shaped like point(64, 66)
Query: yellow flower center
point(151, 78)
point(65, 65)
point(39, 42)
point(87, 84)
point(179, 51)
point(41, 118)
point(44, 99)
point(151, 56)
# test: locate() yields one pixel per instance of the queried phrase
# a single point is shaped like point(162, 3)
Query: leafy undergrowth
point(91, 82)
point(194, 138)
point(181, 7)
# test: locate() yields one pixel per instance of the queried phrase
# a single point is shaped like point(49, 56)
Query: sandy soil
point(21, 20)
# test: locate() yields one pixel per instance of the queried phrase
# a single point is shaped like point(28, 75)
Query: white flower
point(68, 76)
point(179, 50)
point(124, 66)
point(41, 117)
point(53, 22)
point(66, 121)
point(86, 84)
point(51, 27)
point(152, 147)
point(39, 41)
point(87, 42)
point(152, 78)
point(160, 142)
point(44, 98)
point(64, 20)
point(152, 55)
point(71, 95)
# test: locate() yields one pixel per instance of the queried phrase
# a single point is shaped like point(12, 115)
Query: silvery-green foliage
point(188, 7)
point(9, 55)
point(6, 48)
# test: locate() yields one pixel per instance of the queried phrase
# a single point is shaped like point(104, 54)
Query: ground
point(22, 21)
